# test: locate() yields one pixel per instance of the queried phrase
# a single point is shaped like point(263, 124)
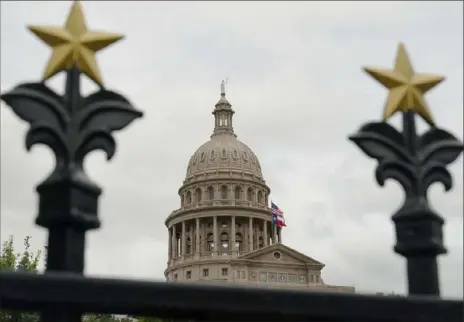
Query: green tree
point(388, 294)
point(29, 262)
point(147, 319)
point(106, 318)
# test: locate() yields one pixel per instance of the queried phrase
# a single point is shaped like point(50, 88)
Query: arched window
point(238, 242)
point(224, 192)
point(182, 201)
point(210, 193)
point(237, 193)
point(198, 195)
point(260, 242)
point(250, 194)
point(189, 245)
point(224, 242)
point(260, 197)
point(224, 224)
point(210, 242)
point(189, 198)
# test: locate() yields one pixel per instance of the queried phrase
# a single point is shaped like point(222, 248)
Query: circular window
point(212, 155)
point(202, 156)
point(194, 159)
point(277, 255)
point(245, 156)
point(235, 154)
point(253, 158)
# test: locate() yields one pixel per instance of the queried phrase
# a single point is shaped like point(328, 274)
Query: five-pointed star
point(74, 44)
point(407, 88)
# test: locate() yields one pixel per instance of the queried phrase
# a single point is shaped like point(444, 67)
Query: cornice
point(261, 212)
point(242, 262)
point(199, 262)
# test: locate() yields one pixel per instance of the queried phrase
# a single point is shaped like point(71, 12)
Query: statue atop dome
point(223, 87)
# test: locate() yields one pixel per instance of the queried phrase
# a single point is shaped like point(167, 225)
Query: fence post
point(415, 162)
point(72, 126)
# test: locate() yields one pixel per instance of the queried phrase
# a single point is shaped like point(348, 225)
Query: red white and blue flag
point(277, 215)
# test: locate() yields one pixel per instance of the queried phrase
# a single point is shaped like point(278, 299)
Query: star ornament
point(406, 88)
point(74, 44)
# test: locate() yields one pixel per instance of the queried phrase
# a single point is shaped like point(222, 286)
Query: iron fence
point(73, 125)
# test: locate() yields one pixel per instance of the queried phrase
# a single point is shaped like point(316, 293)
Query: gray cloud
point(298, 90)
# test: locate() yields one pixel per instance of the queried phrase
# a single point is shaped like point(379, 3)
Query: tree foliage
point(29, 261)
point(387, 294)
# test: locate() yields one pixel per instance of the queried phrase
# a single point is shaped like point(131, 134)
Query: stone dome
point(224, 151)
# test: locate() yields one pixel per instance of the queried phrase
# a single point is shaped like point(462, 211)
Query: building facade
point(223, 231)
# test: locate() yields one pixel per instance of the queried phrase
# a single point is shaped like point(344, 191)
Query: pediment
point(280, 253)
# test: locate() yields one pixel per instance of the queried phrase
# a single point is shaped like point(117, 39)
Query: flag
point(277, 215)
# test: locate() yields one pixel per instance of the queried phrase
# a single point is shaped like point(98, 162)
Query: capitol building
point(223, 232)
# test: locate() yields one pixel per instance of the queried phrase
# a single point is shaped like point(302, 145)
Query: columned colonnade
point(221, 235)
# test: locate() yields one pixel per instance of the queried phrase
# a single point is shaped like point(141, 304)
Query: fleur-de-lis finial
point(72, 125)
point(416, 162)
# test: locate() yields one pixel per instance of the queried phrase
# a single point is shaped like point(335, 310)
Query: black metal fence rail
point(215, 303)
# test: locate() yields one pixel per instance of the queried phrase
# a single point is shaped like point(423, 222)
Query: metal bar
point(214, 303)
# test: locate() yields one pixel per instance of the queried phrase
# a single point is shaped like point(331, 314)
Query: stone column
point(250, 235)
point(183, 239)
point(197, 237)
point(232, 235)
point(169, 244)
point(215, 235)
point(174, 242)
point(279, 235)
point(266, 238)
point(274, 233)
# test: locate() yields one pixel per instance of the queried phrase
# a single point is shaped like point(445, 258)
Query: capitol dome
point(223, 151)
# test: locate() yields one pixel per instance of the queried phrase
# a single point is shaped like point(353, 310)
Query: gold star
point(407, 88)
point(74, 44)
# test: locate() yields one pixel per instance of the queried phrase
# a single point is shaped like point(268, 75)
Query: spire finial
point(223, 87)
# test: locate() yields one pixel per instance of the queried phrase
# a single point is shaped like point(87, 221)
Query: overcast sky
point(296, 84)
